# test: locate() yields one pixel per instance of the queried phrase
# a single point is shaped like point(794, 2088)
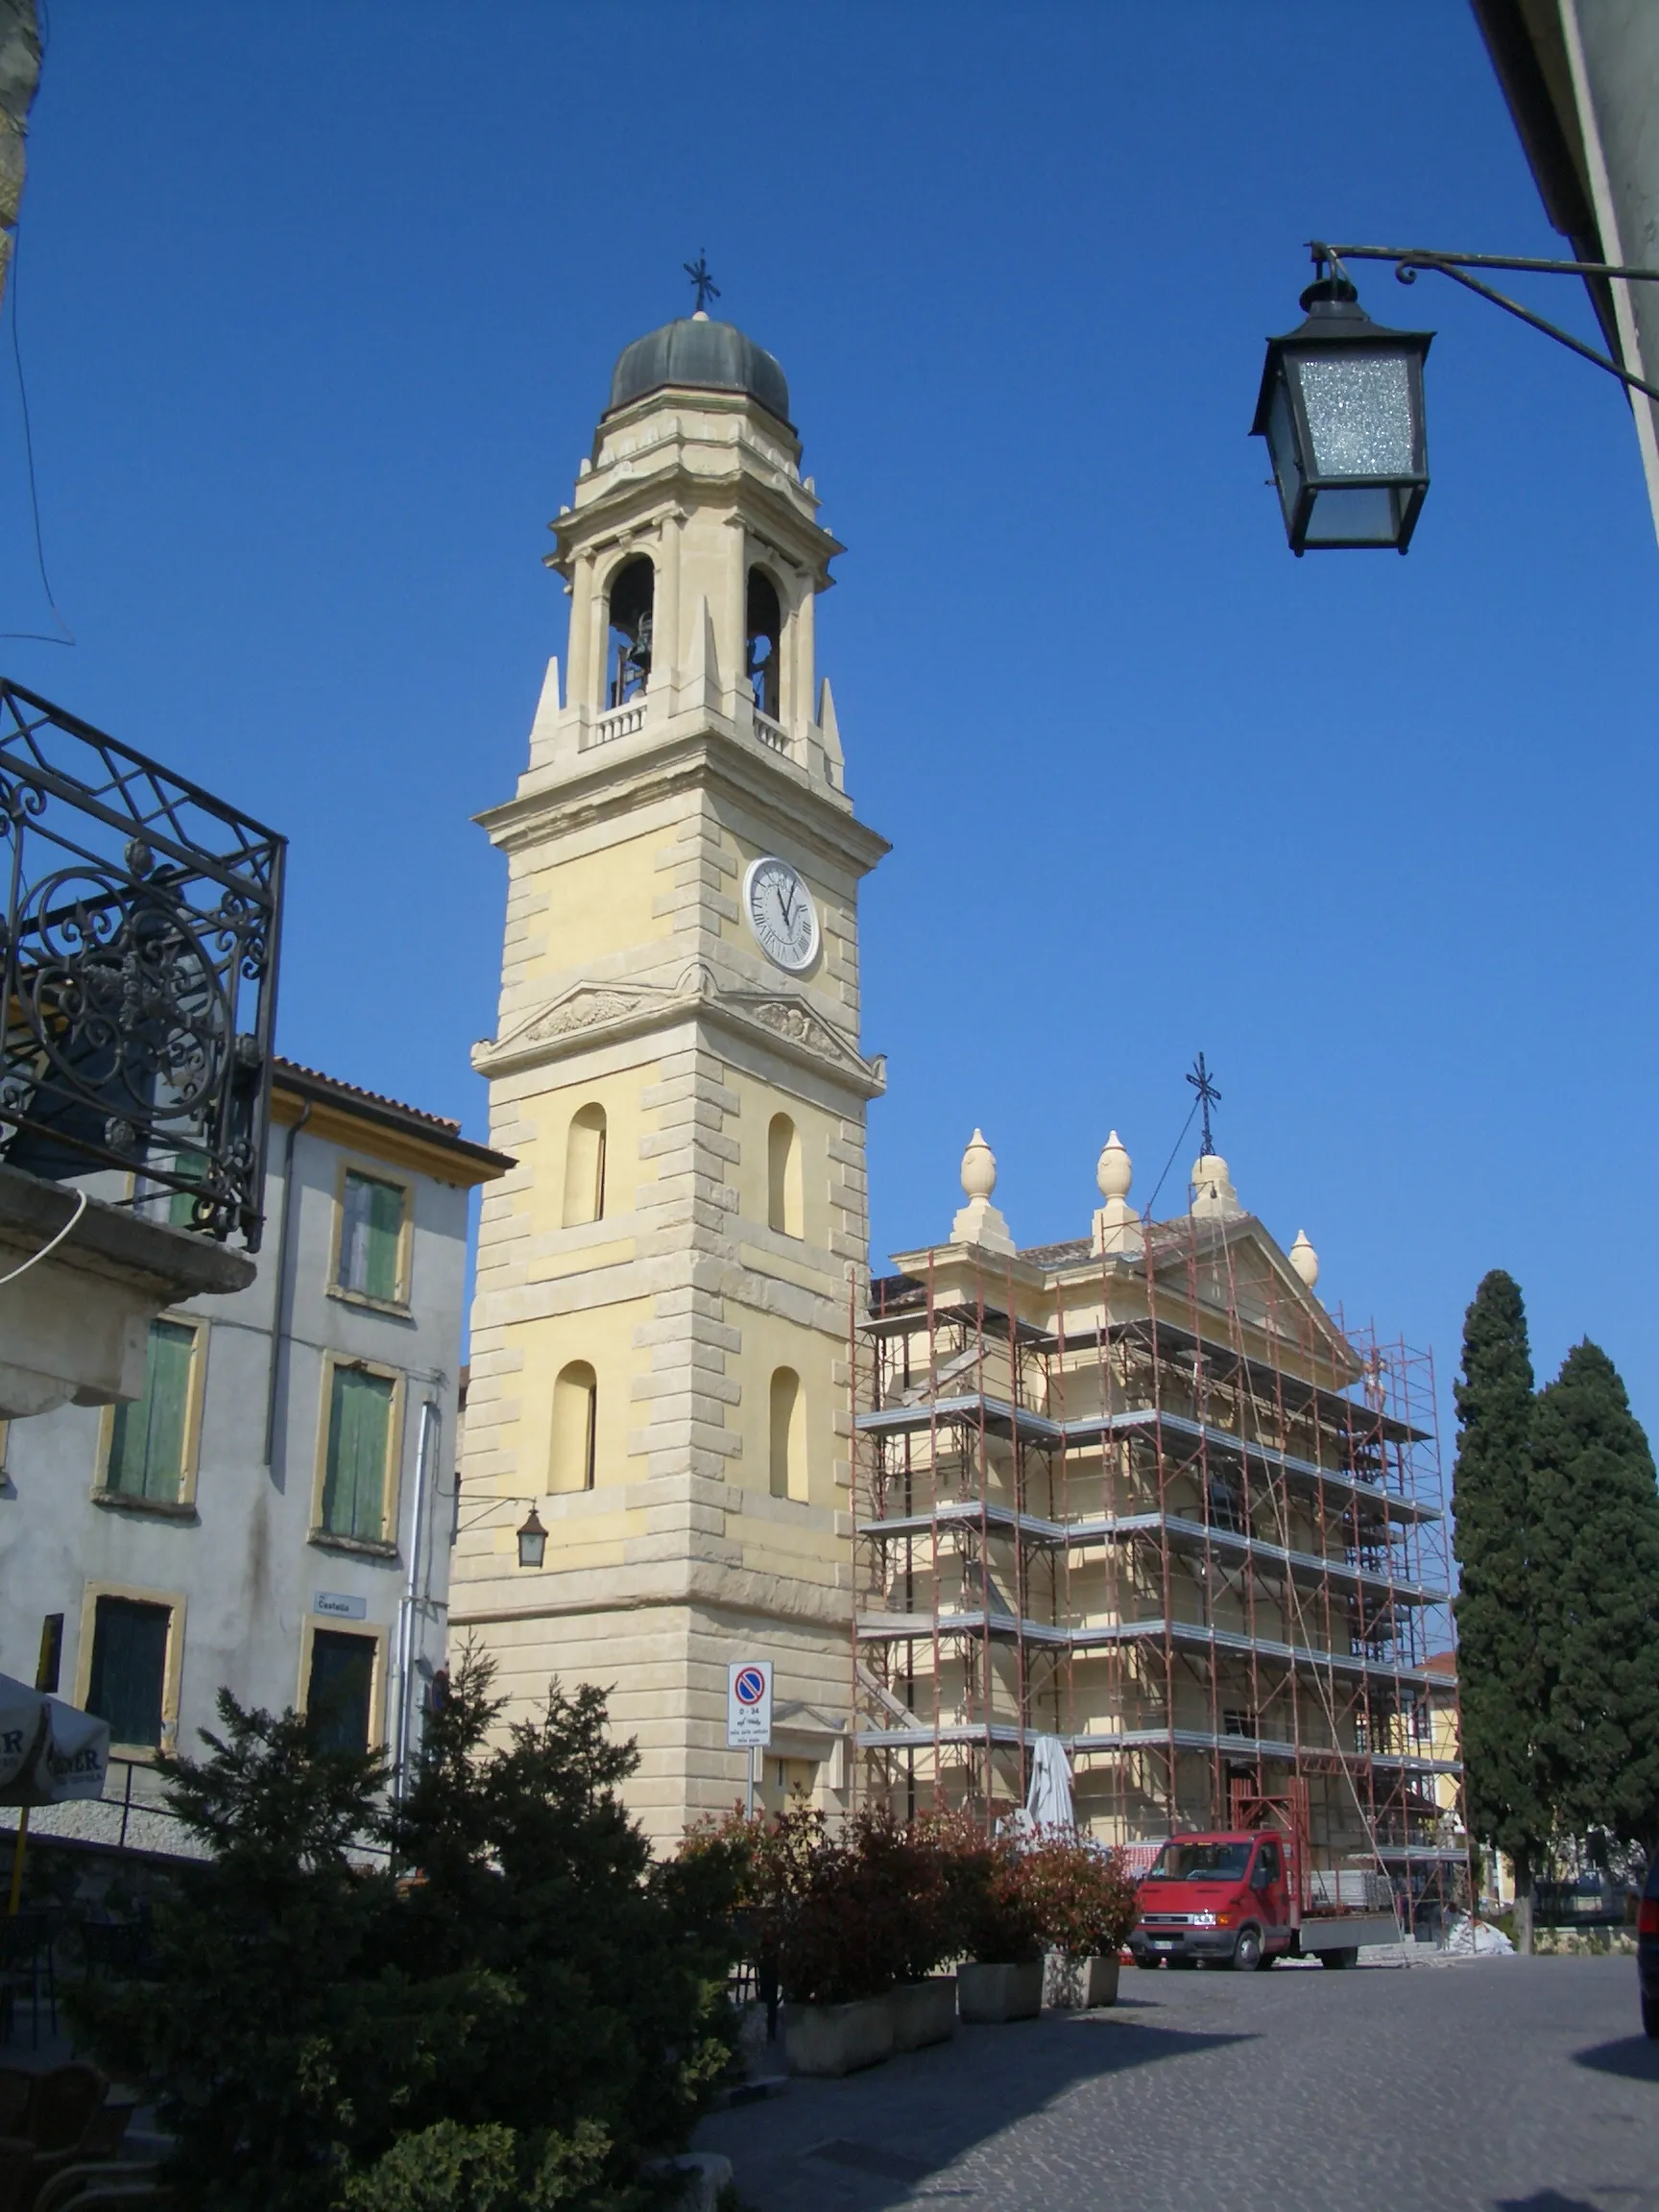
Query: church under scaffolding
point(1145, 1493)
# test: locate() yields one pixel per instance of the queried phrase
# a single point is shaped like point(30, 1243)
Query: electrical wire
point(1170, 1162)
point(35, 1260)
point(31, 637)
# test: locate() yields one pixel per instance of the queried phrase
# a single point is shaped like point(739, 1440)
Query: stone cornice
point(601, 789)
point(634, 501)
point(691, 1583)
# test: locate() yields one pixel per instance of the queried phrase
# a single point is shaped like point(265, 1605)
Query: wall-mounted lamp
point(532, 1540)
point(1341, 409)
point(1341, 397)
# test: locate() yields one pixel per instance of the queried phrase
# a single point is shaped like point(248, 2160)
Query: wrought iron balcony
point(138, 966)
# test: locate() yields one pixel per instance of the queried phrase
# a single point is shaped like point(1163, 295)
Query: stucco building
point(274, 1513)
point(660, 1340)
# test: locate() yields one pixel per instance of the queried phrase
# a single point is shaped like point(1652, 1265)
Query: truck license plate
point(1163, 1943)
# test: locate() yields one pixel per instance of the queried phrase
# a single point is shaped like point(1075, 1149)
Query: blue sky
point(317, 309)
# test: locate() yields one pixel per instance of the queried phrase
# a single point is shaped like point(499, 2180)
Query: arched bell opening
point(629, 605)
point(763, 640)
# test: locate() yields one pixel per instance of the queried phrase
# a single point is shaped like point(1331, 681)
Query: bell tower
point(660, 1335)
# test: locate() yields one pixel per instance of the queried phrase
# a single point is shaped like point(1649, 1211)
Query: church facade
point(666, 1283)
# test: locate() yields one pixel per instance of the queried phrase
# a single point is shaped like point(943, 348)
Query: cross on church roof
point(1207, 1097)
point(698, 272)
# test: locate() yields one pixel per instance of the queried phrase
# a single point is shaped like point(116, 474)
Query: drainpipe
point(412, 1595)
point(283, 1297)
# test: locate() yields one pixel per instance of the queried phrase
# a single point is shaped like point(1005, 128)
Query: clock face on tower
point(781, 913)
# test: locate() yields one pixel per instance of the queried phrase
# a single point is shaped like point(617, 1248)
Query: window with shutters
point(129, 1679)
point(340, 1689)
point(358, 1495)
point(181, 1204)
point(149, 1441)
point(372, 1253)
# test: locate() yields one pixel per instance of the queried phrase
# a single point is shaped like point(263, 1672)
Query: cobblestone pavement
point(1487, 2085)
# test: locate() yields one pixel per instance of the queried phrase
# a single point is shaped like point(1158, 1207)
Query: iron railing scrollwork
point(138, 970)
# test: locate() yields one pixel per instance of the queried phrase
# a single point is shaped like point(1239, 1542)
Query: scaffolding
point(1157, 1501)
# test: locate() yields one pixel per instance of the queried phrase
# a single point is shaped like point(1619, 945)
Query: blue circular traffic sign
point(750, 1686)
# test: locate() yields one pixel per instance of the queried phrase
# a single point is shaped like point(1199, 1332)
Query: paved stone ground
point(1486, 2085)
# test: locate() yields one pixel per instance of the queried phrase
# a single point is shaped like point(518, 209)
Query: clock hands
point(782, 913)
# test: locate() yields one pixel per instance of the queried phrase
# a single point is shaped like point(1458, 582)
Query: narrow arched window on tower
point(764, 631)
point(575, 1422)
point(784, 1211)
point(788, 1440)
point(632, 591)
point(585, 1167)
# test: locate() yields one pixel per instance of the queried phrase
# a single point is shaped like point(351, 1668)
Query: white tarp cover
point(1048, 1801)
point(1467, 1939)
point(49, 1751)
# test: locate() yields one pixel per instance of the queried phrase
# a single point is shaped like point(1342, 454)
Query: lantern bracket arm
point(1409, 261)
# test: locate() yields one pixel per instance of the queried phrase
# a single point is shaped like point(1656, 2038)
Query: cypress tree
point(1597, 1512)
point(1499, 1662)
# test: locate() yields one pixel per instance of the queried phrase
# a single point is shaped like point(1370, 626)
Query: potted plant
point(1002, 1976)
point(1085, 1903)
point(838, 1959)
point(911, 1866)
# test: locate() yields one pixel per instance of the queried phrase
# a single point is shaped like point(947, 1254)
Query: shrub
point(997, 1920)
point(516, 2027)
point(825, 1920)
point(1083, 1900)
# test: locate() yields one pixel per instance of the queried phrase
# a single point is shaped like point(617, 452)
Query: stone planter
point(835, 2039)
point(1101, 1980)
point(924, 2011)
point(988, 1995)
point(1079, 1985)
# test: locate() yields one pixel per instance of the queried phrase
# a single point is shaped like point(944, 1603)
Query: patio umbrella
point(49, 1751)
point(1048, 1801)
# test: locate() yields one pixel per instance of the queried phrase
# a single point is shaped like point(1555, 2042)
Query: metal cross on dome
point(1207, 1097)
point(698, 272)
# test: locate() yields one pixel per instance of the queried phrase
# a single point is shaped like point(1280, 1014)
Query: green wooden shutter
point(385, 1234)
point(371, 1236)
point(147, 1437)
point(340, 1700)
point(181, 1205)
point(354, 1480)
point(128, 1670)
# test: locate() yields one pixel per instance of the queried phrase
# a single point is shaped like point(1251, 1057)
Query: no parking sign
point(749, 1704)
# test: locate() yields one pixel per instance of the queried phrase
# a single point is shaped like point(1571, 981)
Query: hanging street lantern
point(1341, 409)
point(532, 1540)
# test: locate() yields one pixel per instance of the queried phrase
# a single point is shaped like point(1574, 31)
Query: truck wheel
point(1247, 1951)
point(1348, 1955)
point(1149, 1962)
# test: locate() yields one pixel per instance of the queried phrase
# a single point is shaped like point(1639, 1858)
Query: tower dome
point(707, 356)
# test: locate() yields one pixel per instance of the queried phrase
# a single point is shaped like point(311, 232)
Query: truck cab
point(1229, 1898)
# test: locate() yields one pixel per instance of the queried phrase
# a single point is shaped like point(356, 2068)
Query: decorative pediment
point(584, 1009)
point(584, 1012)
point(1253, 1278)
point(588, 1012)
point(789, 1019)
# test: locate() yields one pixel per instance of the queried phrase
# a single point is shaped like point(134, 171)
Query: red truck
point(1244, 1896)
